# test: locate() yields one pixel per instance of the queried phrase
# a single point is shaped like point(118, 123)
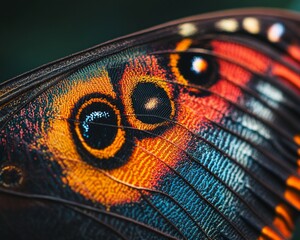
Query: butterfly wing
point(187, 130)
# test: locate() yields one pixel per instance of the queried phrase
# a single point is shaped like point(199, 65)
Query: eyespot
point(11, 176)
point(151, 103)
point(193, 68)
point(197, 69)
point(97, 126)
point(147, 95)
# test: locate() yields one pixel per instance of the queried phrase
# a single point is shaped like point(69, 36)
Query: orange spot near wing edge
point(268, 233)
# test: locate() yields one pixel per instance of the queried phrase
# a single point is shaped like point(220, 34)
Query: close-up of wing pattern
point(188, 130)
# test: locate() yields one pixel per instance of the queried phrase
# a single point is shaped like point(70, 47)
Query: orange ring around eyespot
point(151, 73)
point(142, 125)
point(112, 149)
point(174, 58)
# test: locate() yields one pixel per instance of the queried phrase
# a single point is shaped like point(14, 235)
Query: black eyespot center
point(198, 69)
point(98, 124)
point(151, 103)
point(98, 133)
point(11, 176)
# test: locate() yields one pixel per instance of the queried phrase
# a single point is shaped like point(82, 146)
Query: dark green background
point(36, 32)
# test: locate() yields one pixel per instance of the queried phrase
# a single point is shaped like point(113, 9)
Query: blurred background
point(35, 32)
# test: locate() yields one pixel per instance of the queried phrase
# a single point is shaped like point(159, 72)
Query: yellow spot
point(152, 103)
point(228, 25)
point(187, 29)
point(275, 32)
point(251, 25)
